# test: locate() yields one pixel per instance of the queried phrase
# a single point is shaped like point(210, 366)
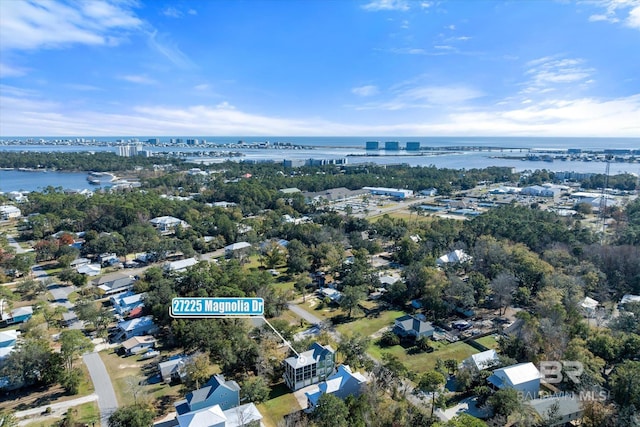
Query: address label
point(216, 307)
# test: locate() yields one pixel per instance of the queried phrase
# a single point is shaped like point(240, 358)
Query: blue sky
point(307, 68)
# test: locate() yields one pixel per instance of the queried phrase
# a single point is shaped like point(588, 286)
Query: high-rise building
point(392, 146)
point(413, 146)
point(373, 145)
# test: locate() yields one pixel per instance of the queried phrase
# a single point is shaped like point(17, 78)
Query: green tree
point(430, 382)
point(354, 350)
point(503, 286)
point(625, 384)
point(131, 416)
point(23, 262)
point(71, 380)
point(302, 282)
point(351, 298)
point(331, 411)
point(505, 402)
point(197, 371)
point(255, 389)
point(72, 344)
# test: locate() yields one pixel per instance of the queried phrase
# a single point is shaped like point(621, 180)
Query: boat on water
point(97, 178)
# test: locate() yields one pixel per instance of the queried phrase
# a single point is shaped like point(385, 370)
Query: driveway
point(57, 410)
point(107, 401)
point(60, 294)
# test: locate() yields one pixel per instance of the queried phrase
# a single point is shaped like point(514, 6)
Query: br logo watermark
point(554, 372)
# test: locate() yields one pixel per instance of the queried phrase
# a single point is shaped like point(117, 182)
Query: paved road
point(300, 312)
point(16, 245)
point(57, 409)
point(107, 401)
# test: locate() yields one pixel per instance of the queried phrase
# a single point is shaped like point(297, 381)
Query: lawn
point(314, 306)
point(85, 414)
point(424, 362)
point(281, 402)
point(369, 325)
point(123, 371)
point(489, 341)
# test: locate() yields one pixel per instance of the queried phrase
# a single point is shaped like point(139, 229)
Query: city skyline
point(320, 68)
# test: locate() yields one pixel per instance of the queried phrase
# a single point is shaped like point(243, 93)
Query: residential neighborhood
point(375, 303)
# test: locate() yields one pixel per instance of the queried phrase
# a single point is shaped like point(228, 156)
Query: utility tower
point(603, 200)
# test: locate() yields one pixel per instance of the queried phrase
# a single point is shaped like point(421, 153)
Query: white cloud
point(172, 12)
point(82, 87)
point(192, 12)
point(202, 87)
point(633, 20)
point(547, 73)
point(367, 90)
point(139, 79)
point(377, 5)
point(169, 50)
point(53, 24)
point(409, 95)
point(28, 115)
point(615, 11)
point(7, 70)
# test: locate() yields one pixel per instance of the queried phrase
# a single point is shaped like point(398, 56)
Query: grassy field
point(489, 341)
point(424, 362)
point(313, 306)
point(125, 371)
point(85, 414)
point(281, 402)
point(369, 325)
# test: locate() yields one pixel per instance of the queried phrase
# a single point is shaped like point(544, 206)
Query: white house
point(9, 212)
point(167, 224)
point(236, 248)
point(135, 345)
point(523, 377)
point(457, 256)
point(481, 361)
point(181, 265)
point(8, 341)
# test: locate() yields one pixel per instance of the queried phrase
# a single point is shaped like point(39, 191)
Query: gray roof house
point(136, 327)
point(411, 326)
point(558, 410)
point(114, 283)
point(216, 391)
point(173, 369)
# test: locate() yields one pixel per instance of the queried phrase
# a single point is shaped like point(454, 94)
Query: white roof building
point(237, 246)
point(214, 416)
point(9, 212)
point(629, 298)
point(456, 256)
point(589, 303)
point(167, 224)
point(523, 377)
point(180, 265)
point(481, 361)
